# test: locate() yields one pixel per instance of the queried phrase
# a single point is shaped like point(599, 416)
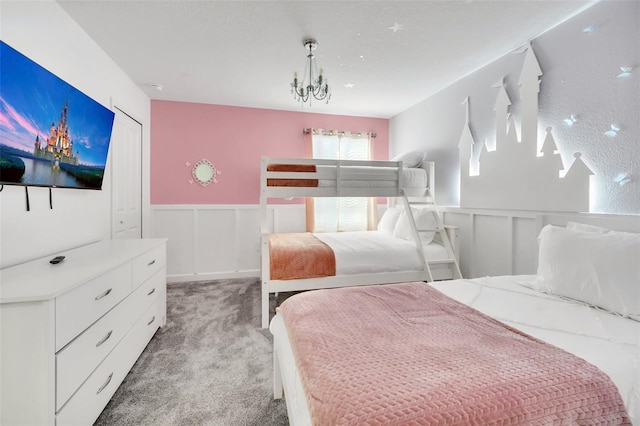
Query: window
point(325, 214)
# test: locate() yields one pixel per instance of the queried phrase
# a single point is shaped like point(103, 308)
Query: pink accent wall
point(233, 139)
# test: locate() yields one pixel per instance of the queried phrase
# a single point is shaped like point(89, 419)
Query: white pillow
point(389, 219)
point(411, 159)
point(601, 269)
point(424, 218)
point(576, 226)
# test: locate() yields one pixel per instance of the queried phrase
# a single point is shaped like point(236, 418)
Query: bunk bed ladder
point(451, 260)
point(416, 237)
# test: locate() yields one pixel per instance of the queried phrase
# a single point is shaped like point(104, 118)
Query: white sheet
point(411, 178)
point(414, 178)
point(610, 342)
point(360, 252)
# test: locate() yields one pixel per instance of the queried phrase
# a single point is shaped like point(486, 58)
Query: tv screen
point(51, 134)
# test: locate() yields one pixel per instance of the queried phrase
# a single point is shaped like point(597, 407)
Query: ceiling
point(244, 53)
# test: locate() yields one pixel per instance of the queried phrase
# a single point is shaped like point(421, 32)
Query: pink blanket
point(403, 354)
point(299, 255)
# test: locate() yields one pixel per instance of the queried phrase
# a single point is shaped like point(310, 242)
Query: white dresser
point(70, 333)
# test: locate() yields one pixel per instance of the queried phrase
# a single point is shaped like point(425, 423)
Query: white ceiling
point(244, 53)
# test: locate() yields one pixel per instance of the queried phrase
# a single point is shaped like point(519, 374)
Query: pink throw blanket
point(299, 255)
point(403, 354)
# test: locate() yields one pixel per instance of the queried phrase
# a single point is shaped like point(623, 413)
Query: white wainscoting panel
point(248, 232)
point(216, 240)
point(464, 223)
point(490, 245)
point(525, 245)
point(177, 226)
point(208, 242)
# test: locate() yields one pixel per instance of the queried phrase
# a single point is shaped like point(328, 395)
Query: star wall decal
point(626, 72)
point(571, 120)
point(622, 179)
point(613, 131)
point(396, 27)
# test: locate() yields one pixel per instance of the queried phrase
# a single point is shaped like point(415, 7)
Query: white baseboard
point(181, 278)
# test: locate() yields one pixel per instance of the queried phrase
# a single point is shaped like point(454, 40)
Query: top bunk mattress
point(326, 176)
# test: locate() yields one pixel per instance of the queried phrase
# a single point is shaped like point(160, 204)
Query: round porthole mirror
point(203, 172)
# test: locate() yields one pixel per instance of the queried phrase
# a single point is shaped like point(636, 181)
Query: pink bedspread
point(402, 354)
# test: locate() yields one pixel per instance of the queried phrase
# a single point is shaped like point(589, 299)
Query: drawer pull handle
point(153, 290)
point(106, 293)
point(104, 339)
point(151, 263)
point(152, 320)
point(105, 384)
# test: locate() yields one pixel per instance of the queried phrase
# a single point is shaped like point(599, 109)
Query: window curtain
point(329, 214)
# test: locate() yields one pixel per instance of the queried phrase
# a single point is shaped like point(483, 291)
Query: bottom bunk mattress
point(517, 357)
point(306, 255)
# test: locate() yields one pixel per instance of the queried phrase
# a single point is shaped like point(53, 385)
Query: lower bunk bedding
point(310, 255)
point(476, 351)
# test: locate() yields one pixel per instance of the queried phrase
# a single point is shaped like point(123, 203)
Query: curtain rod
point(337, 132)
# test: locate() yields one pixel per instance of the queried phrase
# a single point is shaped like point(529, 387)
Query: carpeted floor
point(210, 365)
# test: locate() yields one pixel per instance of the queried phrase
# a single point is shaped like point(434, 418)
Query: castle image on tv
point(59, 146)
point(53, 161)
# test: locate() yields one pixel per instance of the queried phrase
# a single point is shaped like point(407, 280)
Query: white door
point(126, 177)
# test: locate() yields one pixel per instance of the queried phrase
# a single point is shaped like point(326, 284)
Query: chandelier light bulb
point(310, 87)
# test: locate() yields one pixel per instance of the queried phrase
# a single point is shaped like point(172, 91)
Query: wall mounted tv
point(51, 134)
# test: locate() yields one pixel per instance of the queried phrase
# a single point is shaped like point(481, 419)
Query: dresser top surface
point(38, 279)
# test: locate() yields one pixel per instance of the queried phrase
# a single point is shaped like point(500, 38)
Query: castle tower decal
point(523, 174)
point(58, 147)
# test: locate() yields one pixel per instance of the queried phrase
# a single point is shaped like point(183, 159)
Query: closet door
point(126, 168)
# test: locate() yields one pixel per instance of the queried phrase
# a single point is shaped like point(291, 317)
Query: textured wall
point(233, 139)
point(44, 32)
point(580, 61)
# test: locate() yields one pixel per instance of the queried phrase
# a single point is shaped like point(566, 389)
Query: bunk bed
point(558, 347)
point(342, 259)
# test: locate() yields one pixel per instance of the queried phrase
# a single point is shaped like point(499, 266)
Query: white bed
point(360, 252)
point(607, 340)
point(361, 257)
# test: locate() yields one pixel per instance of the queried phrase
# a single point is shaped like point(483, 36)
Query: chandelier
point(310, 86)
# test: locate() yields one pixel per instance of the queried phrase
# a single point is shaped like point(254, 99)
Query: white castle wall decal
point(519, 174)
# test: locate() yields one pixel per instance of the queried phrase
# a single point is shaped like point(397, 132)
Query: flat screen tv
point(51, 134)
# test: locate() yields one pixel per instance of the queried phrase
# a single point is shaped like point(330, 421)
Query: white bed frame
point(340, 176)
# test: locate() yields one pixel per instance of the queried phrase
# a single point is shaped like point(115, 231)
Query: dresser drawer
point(76, 361)
point(148, 292)
point(87, 403)
point(79, 308)
point(147, 264)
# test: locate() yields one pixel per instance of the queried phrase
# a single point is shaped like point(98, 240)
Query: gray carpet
point(210, 365)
